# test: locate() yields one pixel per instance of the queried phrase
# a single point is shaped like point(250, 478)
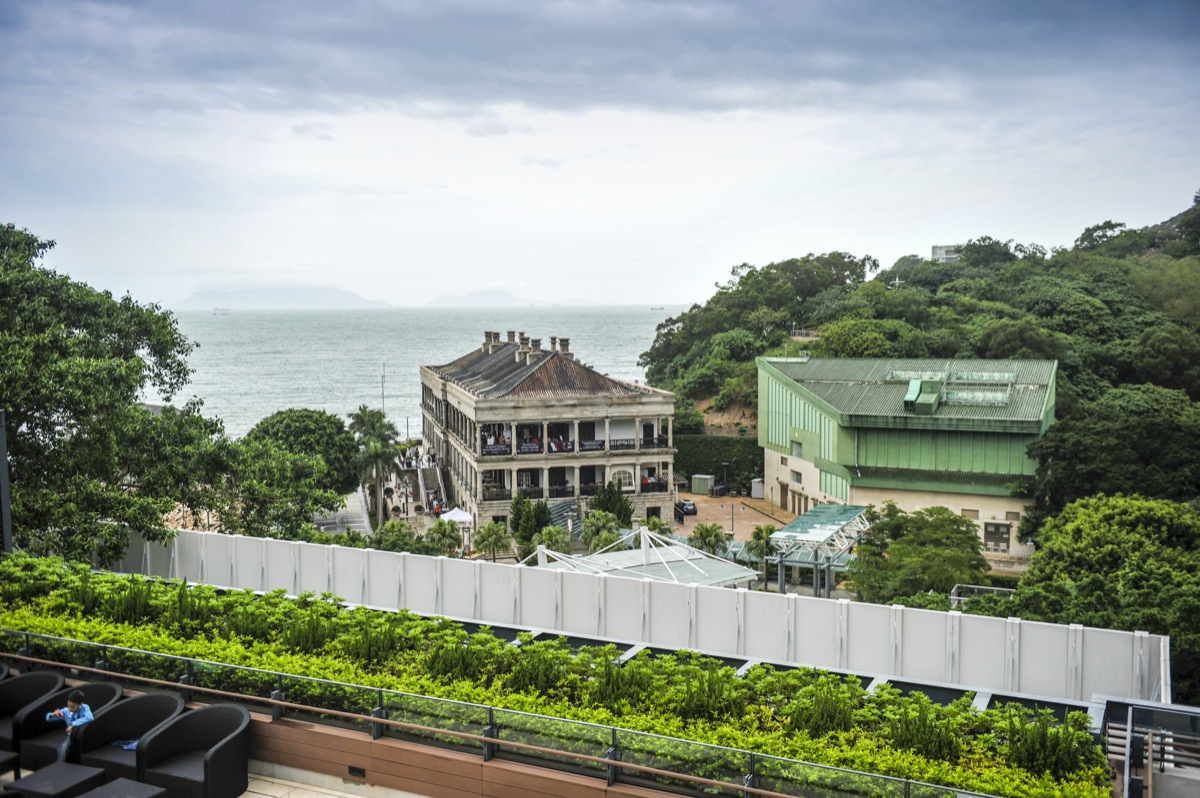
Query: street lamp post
point(729, 495)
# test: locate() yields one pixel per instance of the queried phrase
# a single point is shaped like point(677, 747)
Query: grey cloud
point(309, 55)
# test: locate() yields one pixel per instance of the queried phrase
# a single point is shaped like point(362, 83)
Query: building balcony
point(529, 447)
point(591, 446)
point(656, 442)
point(623, 444)
point(654, 485)
point(590, 489)
point(562, 491)
point(560, 447)
point(531, 492)
point(491, 493)
point(495, 449)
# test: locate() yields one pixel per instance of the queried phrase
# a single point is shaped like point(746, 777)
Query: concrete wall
point(1071, 662)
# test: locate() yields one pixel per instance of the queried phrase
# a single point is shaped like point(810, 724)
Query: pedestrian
point(76, 713)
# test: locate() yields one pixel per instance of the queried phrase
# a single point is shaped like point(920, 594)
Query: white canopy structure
point(654, 557)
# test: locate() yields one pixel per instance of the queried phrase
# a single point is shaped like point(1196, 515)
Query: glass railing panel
point(566, 736)
point(434, 713)
point(231, 679)
point(683, 757)
point(329, 695)
point(801, 779)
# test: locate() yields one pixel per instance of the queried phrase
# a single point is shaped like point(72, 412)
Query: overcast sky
point(620, 152)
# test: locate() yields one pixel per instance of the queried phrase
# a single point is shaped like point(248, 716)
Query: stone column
point(671, 431)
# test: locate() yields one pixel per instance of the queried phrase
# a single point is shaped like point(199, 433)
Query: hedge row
point(799, 714)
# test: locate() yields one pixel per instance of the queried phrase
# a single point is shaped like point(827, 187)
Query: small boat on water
point(221, 311)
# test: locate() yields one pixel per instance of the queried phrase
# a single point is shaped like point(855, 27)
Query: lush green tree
point(397, 535)
point(761, 546)
point(554, 538)
point(1139, 438)
point(444, 537)
point(526, 518)
point(76, 362)
point(314, 432)
point(710, 537)
point(370, 423)
point(612, 499)
point(598, 525)
point(493, 538)
point(269, 491)
point(1169, 355)
point(856, 337)
point(1122, 562)
point(376, 460)
point(903, 554)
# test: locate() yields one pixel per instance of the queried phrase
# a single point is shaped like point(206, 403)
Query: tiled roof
point(876, 387)
point(549, 375)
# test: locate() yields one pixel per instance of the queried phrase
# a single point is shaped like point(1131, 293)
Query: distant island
point(277, 298)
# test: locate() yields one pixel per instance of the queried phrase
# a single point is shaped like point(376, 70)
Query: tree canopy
point(314, 432)
point(76, 364)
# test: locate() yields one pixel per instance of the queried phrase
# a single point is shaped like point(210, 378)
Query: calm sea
point(250, 364)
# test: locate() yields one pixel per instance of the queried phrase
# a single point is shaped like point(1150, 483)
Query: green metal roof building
point(921, 432)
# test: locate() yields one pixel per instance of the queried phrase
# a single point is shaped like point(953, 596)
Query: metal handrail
point(494, 742)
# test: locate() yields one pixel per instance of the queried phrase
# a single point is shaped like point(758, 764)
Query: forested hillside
point(1119, 311)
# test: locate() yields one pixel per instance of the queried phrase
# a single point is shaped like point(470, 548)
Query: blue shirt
point(84, 715)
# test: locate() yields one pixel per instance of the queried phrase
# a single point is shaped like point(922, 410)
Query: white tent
point(458, 516)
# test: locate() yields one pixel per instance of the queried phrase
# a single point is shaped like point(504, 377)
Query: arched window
point(623, 478)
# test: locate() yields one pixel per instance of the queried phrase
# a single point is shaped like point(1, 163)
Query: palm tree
point(655, 524)
point(376, 460)
point(761, 546)
point(444, 536)
point(493, 538)
point(710, 538)
point(367, 422)
point(554, 538)
point(598, 524)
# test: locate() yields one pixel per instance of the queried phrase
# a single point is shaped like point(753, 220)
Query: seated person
point(76, 713)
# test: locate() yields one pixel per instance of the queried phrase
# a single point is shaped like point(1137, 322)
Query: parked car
point(686, 506)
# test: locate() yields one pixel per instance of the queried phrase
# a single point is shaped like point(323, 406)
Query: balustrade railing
point(622, 444)
point(591, 446)
point(655, 442)
point(494, 494)
point(562, 491)
point(531, 492)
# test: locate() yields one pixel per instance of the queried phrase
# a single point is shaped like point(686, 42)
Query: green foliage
point(776, 712)
point(703, 454)
point(493, 538)
point(1045, 746)
point(76, 364)
point(269, 491)
point(905, 554)
point(526, 519)
point(598, 525)
point(922, 728)
point(612, 499)
point(1141, 439)
point(710, 538)
point(314, 432)
point(554, 538)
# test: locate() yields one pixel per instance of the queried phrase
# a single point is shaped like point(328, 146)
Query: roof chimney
point(553, 343)
point(535, 350)
point(512, 337)
point(523, 349)
point(564, 348)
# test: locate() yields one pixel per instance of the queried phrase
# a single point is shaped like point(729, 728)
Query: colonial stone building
point(513, 418)
point(921, 433)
